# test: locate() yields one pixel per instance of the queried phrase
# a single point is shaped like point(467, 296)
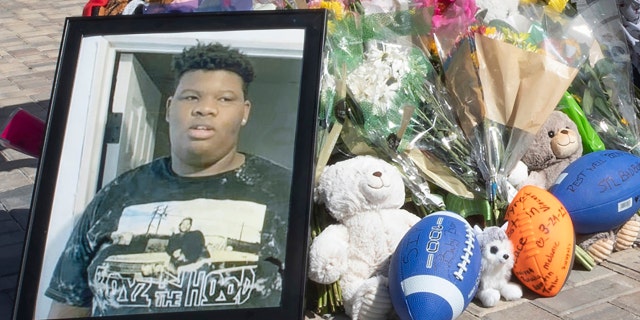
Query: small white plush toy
point(497, 262)
point(364, 194)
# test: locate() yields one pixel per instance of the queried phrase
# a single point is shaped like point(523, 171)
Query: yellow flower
point(557, 5)
point(489, 31)
point(518, 39)
point(331, 26)
point(334, 6)
point(433, 47)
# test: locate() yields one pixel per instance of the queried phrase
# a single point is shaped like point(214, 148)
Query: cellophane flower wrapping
point(447, 17)
point(398, 104)
point(396, 81)
point(507, 77)
point(603, 86)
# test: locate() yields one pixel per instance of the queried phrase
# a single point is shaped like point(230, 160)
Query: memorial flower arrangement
point(434, 89)
point(497, 72)
point(397, 102)
point(455, 101)
point(603, 87)
point(381, 90)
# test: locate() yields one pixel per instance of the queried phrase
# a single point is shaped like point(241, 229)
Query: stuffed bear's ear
point(505, 226)
point(317, 194)
point(477, 229)
point(318, 191)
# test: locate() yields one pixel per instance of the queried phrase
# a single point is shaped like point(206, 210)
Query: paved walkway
point(611, 291)
point(30, 32)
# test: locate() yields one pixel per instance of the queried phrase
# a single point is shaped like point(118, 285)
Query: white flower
point(498, 9)
point(378, 78)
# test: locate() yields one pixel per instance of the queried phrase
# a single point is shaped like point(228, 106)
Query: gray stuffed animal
point(556, 145)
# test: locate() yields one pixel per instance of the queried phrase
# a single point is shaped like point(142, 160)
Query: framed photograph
point(177, 171)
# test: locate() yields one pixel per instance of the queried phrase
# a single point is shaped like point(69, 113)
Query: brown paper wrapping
point(510, 86)
point(521, 88)
point(461, 78)
point(499, 86)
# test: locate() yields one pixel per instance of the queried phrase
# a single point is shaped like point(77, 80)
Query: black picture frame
point(80, 124)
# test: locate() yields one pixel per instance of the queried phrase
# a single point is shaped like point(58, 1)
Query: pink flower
point(460, 13)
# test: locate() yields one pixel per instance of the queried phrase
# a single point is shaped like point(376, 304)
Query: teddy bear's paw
point(325, 271)
point(327, 259)
point(326, 274)
point(488, 297)
point(627, 235)
point(601, 250)
point(511, 291)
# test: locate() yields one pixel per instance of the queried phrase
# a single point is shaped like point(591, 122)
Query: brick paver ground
point(610, 291)
point(30, 32)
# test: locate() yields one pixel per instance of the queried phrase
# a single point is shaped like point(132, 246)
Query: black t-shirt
point(187, 247)
point(116, 259)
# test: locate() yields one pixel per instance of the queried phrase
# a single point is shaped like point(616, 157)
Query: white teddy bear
point(364, 194)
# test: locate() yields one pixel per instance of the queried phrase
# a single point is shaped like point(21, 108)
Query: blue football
point(435, 270)
point(600, 190)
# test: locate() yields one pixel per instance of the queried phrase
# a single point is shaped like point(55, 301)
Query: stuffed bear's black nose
point(377, 174)
point(506, 257)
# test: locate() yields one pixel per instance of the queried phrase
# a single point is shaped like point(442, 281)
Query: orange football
point(541, 231)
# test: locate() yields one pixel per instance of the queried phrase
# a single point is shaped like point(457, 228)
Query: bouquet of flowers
point(603, 87)
point(502, 74)
point(387, 88)
point(380, 94)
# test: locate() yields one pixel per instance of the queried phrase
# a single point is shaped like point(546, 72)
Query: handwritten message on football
point(600, 190)
point(541, 231)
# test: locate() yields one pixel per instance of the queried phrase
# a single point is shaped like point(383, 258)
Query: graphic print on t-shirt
point(181, 254)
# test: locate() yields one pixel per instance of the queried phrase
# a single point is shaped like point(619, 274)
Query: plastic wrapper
point(343, 51)
point(590, 140)
point(603, 87)
point(381, 84)
point(446, 17)
point(507, 77)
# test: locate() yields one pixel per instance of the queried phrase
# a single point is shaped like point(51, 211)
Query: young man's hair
point(214, 56)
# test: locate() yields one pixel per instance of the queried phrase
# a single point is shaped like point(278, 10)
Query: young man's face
point(205, 115)
point(185, 225)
